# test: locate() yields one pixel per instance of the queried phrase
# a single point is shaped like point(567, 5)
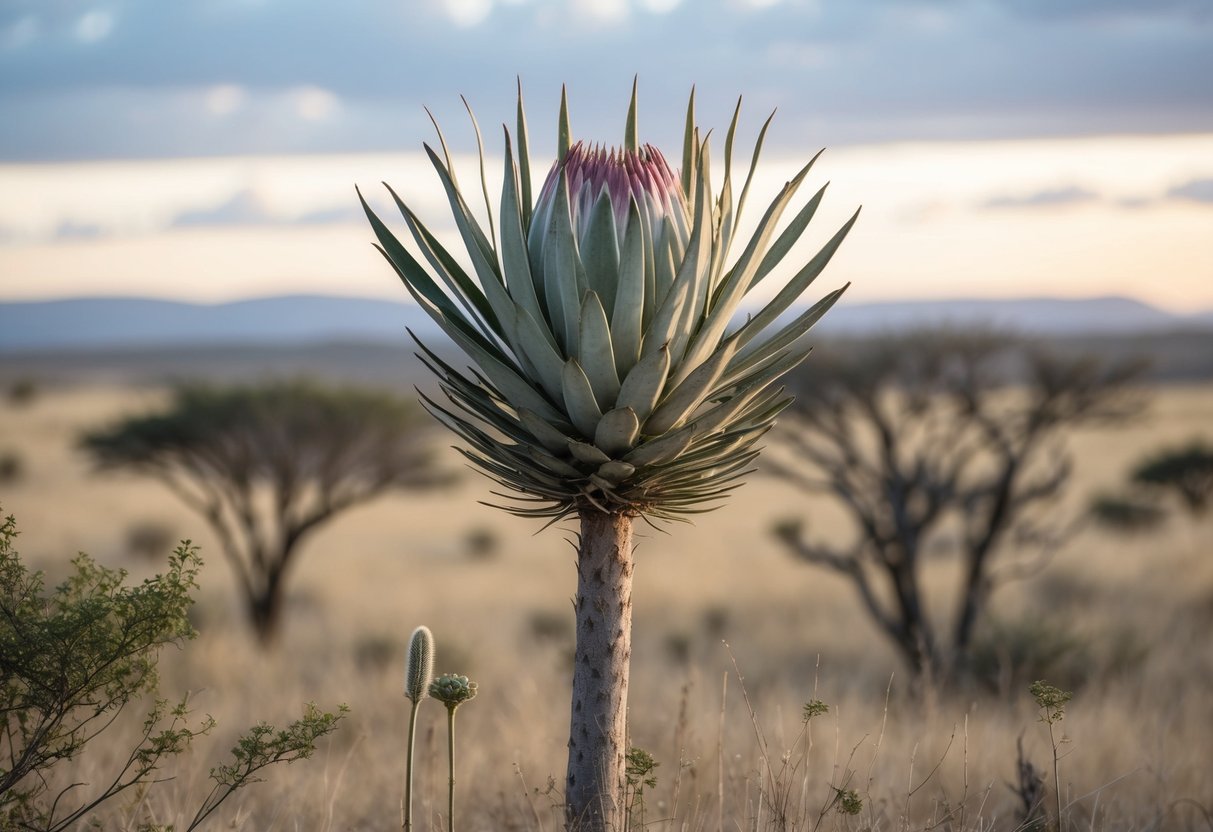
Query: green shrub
point(72, 659)
point(1187, 471)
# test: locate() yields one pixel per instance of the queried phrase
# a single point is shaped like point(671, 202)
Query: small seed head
point(419, 664)
point(452, 690)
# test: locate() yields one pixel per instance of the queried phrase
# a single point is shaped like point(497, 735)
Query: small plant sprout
point(812, 708)
point(1052, 703)
point(848, 801)
point(451, 690)
point(419, 668)
point(638, 775)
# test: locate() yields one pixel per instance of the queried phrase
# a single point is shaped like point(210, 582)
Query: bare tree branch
point(912, 433)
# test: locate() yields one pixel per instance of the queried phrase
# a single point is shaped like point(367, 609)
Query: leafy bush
point(1187, 471)
point(73, 659)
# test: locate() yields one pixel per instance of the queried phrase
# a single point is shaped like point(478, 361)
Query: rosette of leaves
point(611, 373)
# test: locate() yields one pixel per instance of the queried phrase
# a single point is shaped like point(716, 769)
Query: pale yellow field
point(1140, 731)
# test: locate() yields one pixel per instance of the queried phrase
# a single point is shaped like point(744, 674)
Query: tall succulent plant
point(613, 380)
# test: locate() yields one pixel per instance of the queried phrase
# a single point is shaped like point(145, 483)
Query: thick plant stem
point(408, 774)
point(450, 748)
point(598, 730)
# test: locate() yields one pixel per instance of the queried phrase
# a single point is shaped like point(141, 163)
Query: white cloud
point(606, 11)
point(94, 26)
point(468, 12)
point(225, 99)
point(659, 6)
point(314, 103)
point(760, 4)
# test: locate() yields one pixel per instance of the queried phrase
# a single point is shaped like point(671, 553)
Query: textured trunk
point(265, 610)
point(598, 730)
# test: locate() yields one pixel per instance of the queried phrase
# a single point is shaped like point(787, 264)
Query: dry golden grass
point(1141, 608)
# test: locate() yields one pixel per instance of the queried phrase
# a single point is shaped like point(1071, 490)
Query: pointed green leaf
point(564, 132)
point(504, 377)
point(796, 286)
point(745, 189)
point(616, 471)
point(563, 278)
point(484, 182)
point(661, 449)
point(617, 431)
point(600, 252)
point(736, 283)
point(547, 436)
point(579, 399)
point(585, 452)
point(473, 235)
point(645, 384)
point(665, 268)
point(724, 203)
point(631, 135)
point(552, 439)
point(627, 316)
point(764, 372)
point(554, 464)
point(690, 144)
point(514, 259)
point(787, 335)
point(411, 273)
point(674, 322)
point(789, 236)
point(549, 365)
point(678, 406)
point(524, 164)
point(595, 351)
point(465, 290)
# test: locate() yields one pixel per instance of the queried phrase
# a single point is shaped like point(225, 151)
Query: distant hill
point(1046, 316)
point(141, 322)
point(309, 319)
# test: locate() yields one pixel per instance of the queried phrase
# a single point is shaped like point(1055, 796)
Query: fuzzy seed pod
point(419, 664)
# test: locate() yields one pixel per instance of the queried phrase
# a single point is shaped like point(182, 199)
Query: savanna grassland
point(1123, 620)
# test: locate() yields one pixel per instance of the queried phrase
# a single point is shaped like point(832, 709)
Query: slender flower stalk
point(452, 691)
point(615, 378)
point(419, 667)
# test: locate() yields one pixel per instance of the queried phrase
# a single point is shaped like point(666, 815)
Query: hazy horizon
point(208, 150)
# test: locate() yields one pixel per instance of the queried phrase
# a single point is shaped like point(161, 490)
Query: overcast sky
point(1000, 147)
point(82, 79)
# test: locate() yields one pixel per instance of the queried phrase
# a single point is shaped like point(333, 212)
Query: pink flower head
point(641, 176)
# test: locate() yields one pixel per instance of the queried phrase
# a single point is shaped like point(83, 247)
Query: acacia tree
point(268, 465)
point(929, 440)
point(1187, 471)
point(612, 382)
